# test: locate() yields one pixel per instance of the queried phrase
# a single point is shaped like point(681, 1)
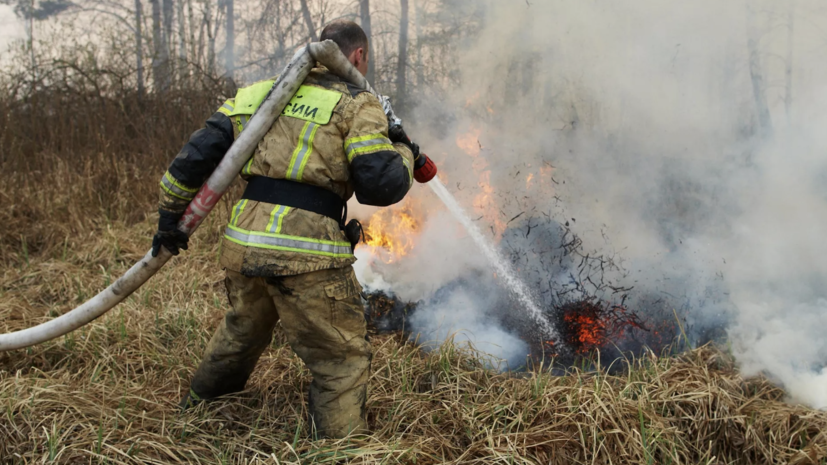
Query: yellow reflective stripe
point(354, 140)
point(410, 170)
point(226, 108)
point(276, 217)
point(299, 151)
point(248, 166)
point(287, 236)
point(176, 189)
point(366, 144)
point(237, 211)
point(283, 242)
point(168, 191)
point(177, 184)
point(240, 121)
point(307, 152)
point(281, 219)
point(370, 149)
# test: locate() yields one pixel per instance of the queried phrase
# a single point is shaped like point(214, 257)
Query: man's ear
point(359, 56)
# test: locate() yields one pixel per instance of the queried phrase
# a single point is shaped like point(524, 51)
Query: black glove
point(168, 234)
point(397, 134)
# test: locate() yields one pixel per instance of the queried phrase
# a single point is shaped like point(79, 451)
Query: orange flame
point(591, 331)
point(394, 230)
point(484, 202)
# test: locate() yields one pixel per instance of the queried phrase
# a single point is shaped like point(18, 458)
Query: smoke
point(649, 114)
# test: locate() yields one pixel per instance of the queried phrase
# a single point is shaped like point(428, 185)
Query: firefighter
point(285, 250)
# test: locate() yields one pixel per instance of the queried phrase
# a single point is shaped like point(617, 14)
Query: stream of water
point(503, 268)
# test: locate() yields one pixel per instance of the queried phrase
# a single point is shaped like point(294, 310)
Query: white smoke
point(647, 112)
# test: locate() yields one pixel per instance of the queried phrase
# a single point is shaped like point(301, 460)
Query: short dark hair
point(348, 35)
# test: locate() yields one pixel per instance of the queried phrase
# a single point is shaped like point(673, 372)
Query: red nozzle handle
point(426, 172)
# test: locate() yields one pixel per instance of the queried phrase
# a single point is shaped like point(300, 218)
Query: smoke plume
point(661, 131)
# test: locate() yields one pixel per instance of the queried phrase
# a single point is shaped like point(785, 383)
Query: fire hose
point(287, 84)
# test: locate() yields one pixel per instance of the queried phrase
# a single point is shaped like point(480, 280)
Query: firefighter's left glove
point(168, 234)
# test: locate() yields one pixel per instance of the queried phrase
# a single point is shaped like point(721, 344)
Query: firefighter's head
point(351, 40)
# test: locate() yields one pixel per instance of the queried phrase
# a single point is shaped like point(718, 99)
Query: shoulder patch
point(248, 99)
point(313, 104)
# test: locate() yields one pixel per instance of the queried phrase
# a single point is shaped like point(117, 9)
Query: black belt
point(296, 195)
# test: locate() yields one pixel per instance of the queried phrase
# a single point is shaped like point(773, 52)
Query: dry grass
point(108, 392)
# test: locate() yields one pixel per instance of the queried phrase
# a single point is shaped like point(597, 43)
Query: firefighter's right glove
point(424, 168)
point(168, 234)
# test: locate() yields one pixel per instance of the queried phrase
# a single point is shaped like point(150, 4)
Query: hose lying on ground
point(288, 83)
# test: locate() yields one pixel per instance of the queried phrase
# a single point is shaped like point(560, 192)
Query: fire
point(470, 143)
point(394, 230)
point(589, 325)
point(528, 180)
point(588, 330)
point(484, 203)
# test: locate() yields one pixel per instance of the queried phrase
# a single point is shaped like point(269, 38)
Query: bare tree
point(167, 40)
point(193, 53)
point(30, 12)
point(402, 56)
point(308, 19)
point(364, 13)
point(182, 43)
point(420, 19)
point(158, 47)
point(139, 48)
point(229, 48)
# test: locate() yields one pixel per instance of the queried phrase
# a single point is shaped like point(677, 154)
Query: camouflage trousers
point(323, 318)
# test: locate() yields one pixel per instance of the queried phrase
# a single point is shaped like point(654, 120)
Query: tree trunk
point(364, 12)
point(139, 49)
point(788, 87)
point(182, 43)
point(168, 42)
point(208, 23)
point(311, 29)
point(229, 48)
point(402, 57)
point(157, 47)
point(420, 70)
point(757, 76)
point(193, 53)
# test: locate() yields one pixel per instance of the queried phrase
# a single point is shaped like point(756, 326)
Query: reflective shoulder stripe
point(366, 144)
point(176, 189)
point(227, 107)
point(287, 243)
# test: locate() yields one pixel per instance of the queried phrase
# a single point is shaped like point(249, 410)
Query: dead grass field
point(108, 392)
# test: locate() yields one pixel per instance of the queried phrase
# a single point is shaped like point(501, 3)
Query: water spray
point(504, 270)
